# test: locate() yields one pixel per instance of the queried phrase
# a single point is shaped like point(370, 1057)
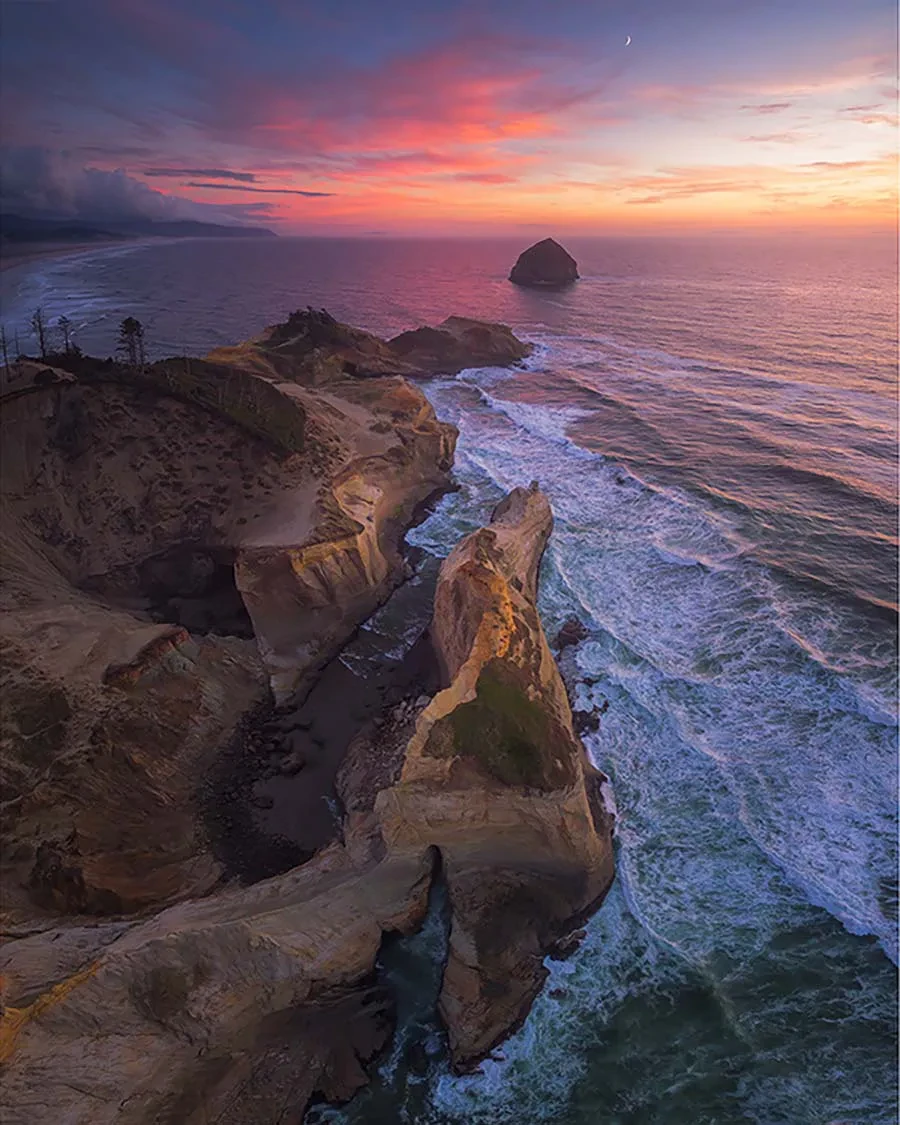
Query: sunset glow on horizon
point(455, 118)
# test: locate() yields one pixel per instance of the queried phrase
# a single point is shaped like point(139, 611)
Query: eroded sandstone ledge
point(237, 1008)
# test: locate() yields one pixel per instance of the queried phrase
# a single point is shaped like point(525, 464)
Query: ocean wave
point(704, 649)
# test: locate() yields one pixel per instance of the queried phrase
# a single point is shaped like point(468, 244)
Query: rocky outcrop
point(313, 348)
point(237, 1008)
point(493, 776)
point(233, 1010)
point(546, 265)
point(572, 633)
point(176, 543)
point(458, 343)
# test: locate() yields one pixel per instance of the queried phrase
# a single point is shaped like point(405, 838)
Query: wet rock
point(585, 722)
point(292, 764)
point(573, 631)
point(567, 945)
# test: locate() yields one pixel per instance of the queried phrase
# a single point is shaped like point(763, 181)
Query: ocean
point(715, 423)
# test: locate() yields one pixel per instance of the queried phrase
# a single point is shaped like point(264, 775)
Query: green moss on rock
point(511, 736)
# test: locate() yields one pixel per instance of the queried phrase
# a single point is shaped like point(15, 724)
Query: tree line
point(130, 342)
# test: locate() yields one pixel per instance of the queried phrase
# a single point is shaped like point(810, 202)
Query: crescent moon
point(627, 40)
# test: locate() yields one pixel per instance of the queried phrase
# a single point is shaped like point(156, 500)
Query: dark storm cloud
point(36, 181)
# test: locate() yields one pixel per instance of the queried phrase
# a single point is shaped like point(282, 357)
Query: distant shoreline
point(15, 254)
point(18, 256)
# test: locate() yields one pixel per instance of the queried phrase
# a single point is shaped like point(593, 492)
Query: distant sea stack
point(544, 265)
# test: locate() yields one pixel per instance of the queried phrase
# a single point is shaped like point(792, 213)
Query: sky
point(409, 116)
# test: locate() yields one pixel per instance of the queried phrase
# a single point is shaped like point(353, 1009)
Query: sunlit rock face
point(545, 265)
point(494, 777)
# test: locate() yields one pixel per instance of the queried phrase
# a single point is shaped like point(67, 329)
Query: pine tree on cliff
point(39, 328)
point(131, 341)
point(65, 326)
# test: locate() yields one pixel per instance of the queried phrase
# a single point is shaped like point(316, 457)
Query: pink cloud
point(467, 93)
point(767, 107)
point(786, 138)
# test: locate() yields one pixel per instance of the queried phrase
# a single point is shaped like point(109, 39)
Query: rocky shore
point(190, 932)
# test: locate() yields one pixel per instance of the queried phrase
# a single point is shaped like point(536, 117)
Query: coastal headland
point(187, 546)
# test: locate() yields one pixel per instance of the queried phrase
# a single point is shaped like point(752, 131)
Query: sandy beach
point(17, 255)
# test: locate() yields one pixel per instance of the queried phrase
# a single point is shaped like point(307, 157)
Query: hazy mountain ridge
point(27, 229)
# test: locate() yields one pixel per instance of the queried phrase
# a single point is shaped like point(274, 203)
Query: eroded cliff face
point(302, 590)
point(237, 1008)
point(175, 545)
point(494, 777)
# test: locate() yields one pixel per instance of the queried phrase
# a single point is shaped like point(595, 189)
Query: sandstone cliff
point(493, 776)
point(175, 544)
point(235, 1009)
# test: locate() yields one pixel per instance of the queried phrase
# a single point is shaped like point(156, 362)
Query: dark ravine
point(271, 801)
point(332, 804)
